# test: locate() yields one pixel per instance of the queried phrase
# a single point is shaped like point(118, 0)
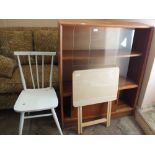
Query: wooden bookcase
point(88, 44)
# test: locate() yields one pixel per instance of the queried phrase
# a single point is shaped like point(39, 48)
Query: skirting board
point(144, 124)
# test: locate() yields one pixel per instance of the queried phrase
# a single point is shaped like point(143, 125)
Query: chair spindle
point(51, 75)
point(42, 71)
point(36, 58)
point(21, 73)
point(29, 59)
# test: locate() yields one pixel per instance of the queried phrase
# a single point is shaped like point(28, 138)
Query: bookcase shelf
point(126, 84)
point(86, 44)
point(122, 109)
point(123, 84)
point(97, 54)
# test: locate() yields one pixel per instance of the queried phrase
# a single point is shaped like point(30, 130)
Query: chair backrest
point(35, 54)
point(95, 86)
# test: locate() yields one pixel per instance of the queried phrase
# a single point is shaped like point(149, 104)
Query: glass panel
point(93, 47)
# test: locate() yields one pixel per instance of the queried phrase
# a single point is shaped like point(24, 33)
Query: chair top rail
point(46, 53)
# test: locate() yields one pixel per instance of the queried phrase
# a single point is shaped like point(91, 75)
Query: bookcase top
point(103, 23)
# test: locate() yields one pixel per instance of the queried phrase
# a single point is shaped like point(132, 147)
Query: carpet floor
point(9, 121)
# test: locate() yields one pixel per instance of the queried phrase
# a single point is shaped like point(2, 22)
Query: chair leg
point(56, 121)
point(21, 123)
point(109, 113)
point(79, 120)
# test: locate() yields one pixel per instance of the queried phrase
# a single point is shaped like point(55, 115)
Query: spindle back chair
point(37, 98)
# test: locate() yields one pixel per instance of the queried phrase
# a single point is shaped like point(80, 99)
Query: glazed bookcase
point(86, 44)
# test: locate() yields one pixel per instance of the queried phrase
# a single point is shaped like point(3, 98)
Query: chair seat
point(36, 99)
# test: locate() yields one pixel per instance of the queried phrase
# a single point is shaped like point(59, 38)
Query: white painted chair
point(38, 98)
point(94, 86)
